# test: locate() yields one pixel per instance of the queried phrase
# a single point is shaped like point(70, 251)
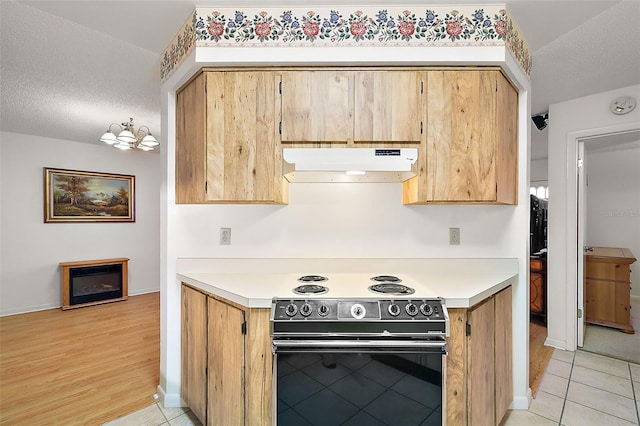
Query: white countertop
point(459, 289)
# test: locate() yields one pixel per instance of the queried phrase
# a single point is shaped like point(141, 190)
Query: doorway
point(608, 201)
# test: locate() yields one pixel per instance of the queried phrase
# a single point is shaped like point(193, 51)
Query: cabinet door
point(244, 160)
point(461, 150)
point(191, 143)
point(481, 368)
point(194, 351)
point(506, 138)
point(503, 338)
point(389, 106)
point(226, 364)
point(317, 106)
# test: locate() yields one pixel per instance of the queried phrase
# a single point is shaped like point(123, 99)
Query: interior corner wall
point(31, 249)
point(586, 116)
point(613, 203)
point(539, 171)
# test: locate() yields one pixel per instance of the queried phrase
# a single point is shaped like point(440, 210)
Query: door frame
point(574, 250)
point(581, 219)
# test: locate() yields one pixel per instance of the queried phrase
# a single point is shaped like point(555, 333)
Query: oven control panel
point(355, 310)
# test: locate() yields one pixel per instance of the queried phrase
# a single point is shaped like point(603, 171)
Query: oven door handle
point(358, 345)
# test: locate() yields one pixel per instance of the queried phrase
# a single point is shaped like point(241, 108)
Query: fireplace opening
point(92, 282)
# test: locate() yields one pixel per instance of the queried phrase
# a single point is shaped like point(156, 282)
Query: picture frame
point(84, 196)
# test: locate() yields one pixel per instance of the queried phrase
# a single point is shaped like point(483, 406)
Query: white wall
point(539, 170)
point(32, 249)
point(613, 203)
point(569, 121)
point(345, 220)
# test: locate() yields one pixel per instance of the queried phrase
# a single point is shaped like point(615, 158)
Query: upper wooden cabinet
point(470, 153)
point(231, 126)
point(346, 107)
point(317, 106)
point(227, 139)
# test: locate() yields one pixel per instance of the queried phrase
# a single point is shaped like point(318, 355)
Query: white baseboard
point(521, 402)
point(555, 343)
point(169, 400)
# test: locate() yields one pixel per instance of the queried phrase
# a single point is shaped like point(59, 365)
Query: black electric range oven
point(369, 361)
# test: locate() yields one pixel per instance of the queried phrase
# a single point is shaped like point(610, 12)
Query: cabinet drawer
point(536, 265)
point(608, 271)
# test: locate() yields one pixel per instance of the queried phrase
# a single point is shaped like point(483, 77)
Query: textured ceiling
point(69, 68)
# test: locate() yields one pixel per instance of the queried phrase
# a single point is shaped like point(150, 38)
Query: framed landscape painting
point(79, 196)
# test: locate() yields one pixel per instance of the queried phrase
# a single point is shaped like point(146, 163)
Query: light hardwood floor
point(83, 366)
point(539, 355)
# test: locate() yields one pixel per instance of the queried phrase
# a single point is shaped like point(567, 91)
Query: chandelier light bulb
point(122, 145)
point(149, 141)
point(109, 138)
point(126, 136)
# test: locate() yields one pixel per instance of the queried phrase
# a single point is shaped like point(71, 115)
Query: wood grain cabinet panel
point(226, 360)
point(344, 107)
point(227, 139)
point(470, 155)
point(389, 106)
point(481, 364)
point(479, 387)
point(194, 351)
point(191, 142)
point(503, 341)
point(226, 364)
point(317, 106)
point(607, 287)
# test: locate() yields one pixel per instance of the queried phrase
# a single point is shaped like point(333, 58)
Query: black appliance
point(359, 361)
point(538, 225)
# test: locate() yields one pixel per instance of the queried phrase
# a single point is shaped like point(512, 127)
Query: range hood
point(348, 164)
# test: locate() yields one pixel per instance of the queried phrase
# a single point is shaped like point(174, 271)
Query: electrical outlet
point(454, 236)
point(225, 236)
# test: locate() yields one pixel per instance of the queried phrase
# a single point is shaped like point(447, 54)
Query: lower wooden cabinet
point(479, 381)
point(194, 351)
point(226, 360)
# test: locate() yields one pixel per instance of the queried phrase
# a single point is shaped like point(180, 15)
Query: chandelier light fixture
point(129, 138)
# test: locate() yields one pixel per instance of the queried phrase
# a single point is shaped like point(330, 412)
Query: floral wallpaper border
point(180, 47)
point(448, 26)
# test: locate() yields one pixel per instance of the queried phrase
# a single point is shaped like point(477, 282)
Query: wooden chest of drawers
point(607, 287)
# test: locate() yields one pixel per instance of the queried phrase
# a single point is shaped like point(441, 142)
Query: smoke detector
point(623, 105)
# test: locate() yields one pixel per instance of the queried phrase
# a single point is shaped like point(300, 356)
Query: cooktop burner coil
point(312, 279)
point(310, 289)
point(391, 288)
point(386, 279)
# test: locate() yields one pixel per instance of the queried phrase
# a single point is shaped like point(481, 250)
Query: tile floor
point(585, 389)
point(156, 415)
point(578, 388)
